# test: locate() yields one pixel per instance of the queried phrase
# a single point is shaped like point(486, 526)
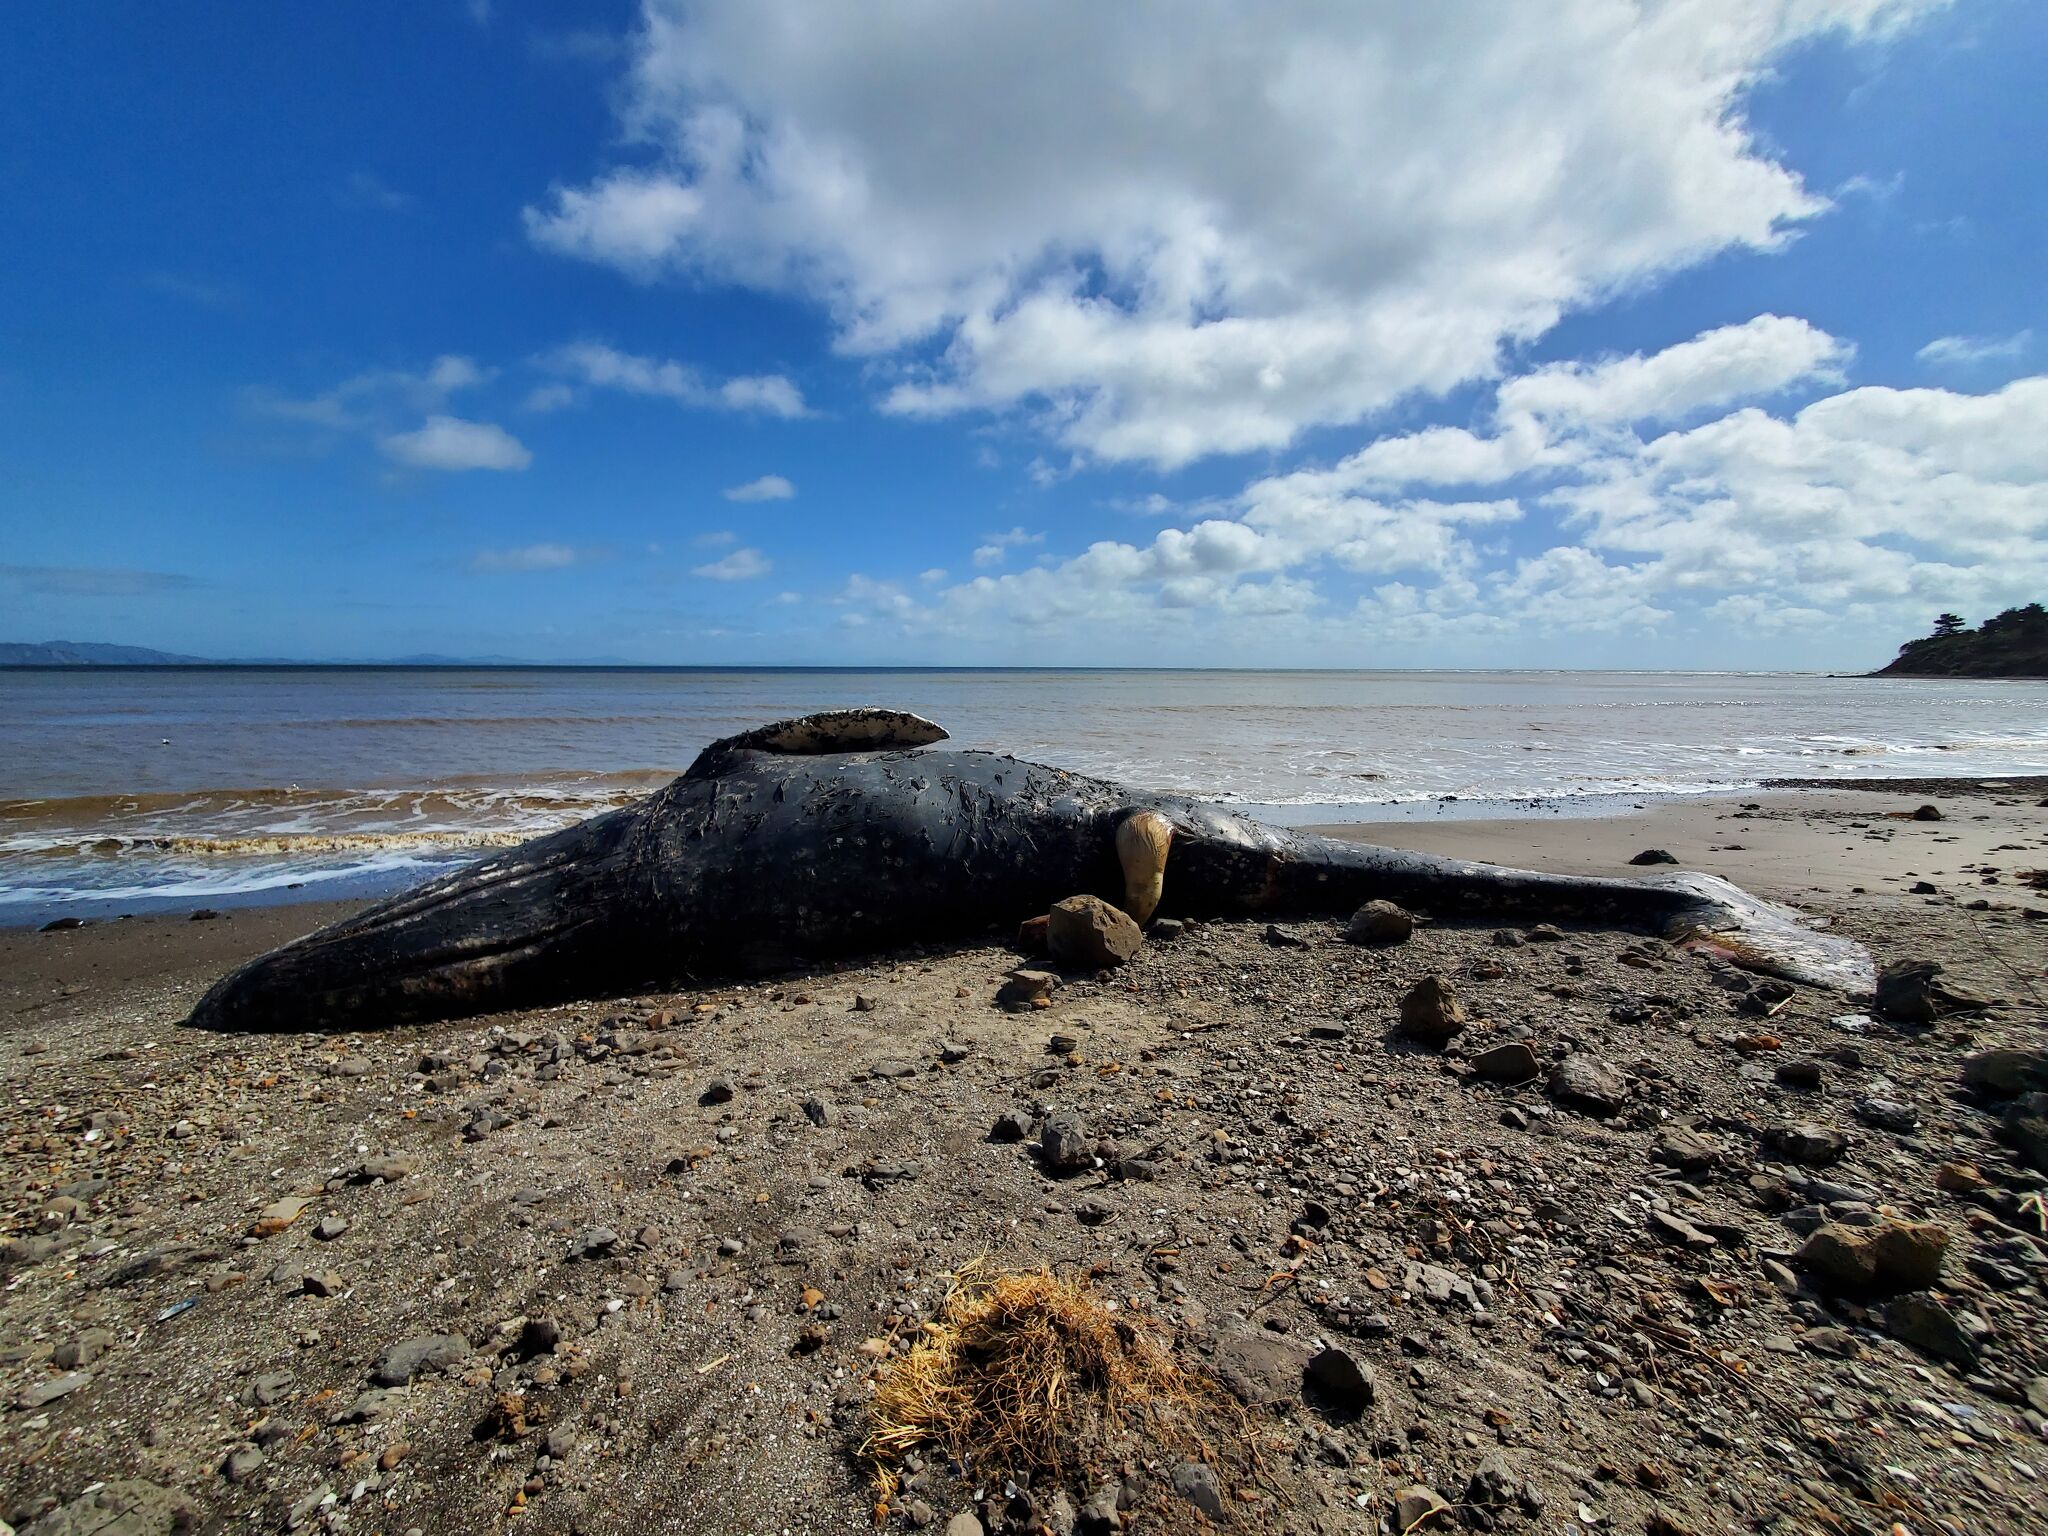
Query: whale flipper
point(832, 730)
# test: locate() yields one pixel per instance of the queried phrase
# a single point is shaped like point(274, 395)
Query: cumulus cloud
point(1165, 233)
point(767, 488)
point(743, 564)
point(1961, 351)
point(594, 365)
point(997, 546)
point(449, 442)
point(1868, 504)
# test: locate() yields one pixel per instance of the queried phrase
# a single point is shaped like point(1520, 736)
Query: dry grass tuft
point(1026, 1371)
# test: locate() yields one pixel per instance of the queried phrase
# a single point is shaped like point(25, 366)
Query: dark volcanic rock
point(1912, 991)
point(1513, 1062)
point(1064, 1146)
point(1880, 1260)
point(1654, 856)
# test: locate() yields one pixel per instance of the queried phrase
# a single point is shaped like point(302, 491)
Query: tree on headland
point(2012, 643)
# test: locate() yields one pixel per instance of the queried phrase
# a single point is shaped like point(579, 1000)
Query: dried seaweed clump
point(1029, 1371)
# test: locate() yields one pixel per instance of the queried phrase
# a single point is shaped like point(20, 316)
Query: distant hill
point(91, 653)
point(88, 653)
point(2010, 644)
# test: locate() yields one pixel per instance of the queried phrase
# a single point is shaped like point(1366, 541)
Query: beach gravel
point(1592, 1260)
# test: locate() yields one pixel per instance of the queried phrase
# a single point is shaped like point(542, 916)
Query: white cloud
point(449, 442)
point(528, 557)
point(997, 546)
point(363, 401)
point(1961, 351)
point(1165, 233)
point(1736, 362)
point(741, 565)
point(1858, 513)
point(597, 366)
point(767, 488)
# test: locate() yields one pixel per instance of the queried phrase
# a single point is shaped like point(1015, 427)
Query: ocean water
point(126, 790)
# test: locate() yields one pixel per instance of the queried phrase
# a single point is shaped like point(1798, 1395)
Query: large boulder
point(1912, 991)
point(1887, 1258)
point(1089, 933)
point(2006, 1071)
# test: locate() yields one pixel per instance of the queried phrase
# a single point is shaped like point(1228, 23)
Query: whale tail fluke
point(1762, 936)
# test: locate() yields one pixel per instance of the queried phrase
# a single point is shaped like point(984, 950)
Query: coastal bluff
point(2009, 644)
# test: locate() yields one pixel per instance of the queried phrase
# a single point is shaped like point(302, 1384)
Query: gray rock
point(2006, 1072)
point(819, 1113)
point(409, 1358)
point(1927, 1325)
point(963, 1525)
point(322, 1282)
point(1064, 1146)
point(1512, 1062)
point(41, 1393)
point(718, 1091)
point(594, 1243)
point(83, 1350)
point(1888, 1115)
point(128, 1507)
point(1196, 1483)
point(1011, 1125)
point(241, 1464)
point(1586, 1082)
point(1415, 1504)
point(1813, 1145)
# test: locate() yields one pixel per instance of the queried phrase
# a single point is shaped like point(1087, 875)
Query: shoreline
point(1569, 834)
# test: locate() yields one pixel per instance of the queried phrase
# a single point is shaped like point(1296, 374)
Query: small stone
point(424, 1352)
point(1283, 938)
point(1655, 856)
point(863, 1003)
point(388, 1169)
point(1431, 1013)
point(594, 1243)
point(963, 1525)
point(819, 1113)
point(893, 1069)
point(1063, 1144)
point(1512, 1062)
point(1586, 1082)
point(241, 1464)
point(1032, 935)
point(1089, 933)
point(1094, 1211)
point(1815, 1146)
point(537, 1336)
point(322, 1282)
point(330, 1228)
point(1011, 1125)
point(42, 1393)
point(1415, 1504)
point(718, 1091)
point(278, 1215)
point(1927, 813)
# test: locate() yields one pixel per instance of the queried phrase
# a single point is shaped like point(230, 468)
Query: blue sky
point(1703, 333)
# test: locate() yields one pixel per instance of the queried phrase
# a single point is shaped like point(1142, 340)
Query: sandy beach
point(633, 1264)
